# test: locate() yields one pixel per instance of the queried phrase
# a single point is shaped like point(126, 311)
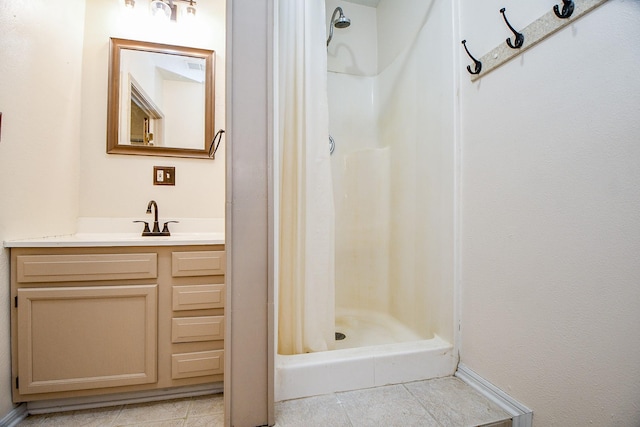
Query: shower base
point(377, 351)
point(364, 328)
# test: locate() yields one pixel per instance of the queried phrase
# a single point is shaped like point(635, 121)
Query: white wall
point(121, 185)
point(550, 214)
point(187, 124)
point(41, 51)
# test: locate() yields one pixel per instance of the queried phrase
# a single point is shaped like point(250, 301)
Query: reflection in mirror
point(145, 119)
point(160, 100)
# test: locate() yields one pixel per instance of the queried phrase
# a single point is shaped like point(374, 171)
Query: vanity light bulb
point(130, 4)
point(191, 12)
point(160, 9)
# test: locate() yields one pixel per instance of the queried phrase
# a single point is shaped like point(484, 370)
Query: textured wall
point(121, 185)
point(550, 201)
point(41, 50)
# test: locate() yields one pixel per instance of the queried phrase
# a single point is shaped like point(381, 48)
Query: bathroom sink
point(124, 232)
point(120, 239)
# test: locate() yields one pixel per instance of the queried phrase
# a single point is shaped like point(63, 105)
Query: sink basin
point(124, 232)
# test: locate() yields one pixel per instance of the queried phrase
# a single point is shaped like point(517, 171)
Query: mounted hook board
point(534, 33)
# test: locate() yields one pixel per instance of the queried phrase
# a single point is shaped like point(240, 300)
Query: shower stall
point(390, 91)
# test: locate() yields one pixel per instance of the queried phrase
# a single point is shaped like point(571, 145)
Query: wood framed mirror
point(161, 100)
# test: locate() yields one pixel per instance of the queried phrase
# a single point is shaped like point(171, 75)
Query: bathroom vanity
point(93, 317)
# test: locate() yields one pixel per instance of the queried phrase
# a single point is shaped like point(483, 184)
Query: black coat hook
point(519, 36)
point(567, 9)
point(478, 64)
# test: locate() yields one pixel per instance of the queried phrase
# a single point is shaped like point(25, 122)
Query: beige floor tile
point(447, 402)
point(99, 417)
point(179, 422)
point(31, 420)
point(211, 420)
point(154, 411)
point(387, 406)
point(206, 405)
point(320, 411)
point(454, 403)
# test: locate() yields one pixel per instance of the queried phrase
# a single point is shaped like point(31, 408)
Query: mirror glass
point(161, 100)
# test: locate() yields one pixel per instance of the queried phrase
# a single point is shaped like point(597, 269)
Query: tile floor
point(442, 402)
point(203, 411)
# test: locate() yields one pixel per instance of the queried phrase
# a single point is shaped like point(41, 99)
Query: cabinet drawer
point(192, 329)
point(199, 364)
point(198, 263)
point(70, 268)
point(198, 297)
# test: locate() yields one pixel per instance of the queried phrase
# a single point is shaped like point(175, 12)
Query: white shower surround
point(393, 128)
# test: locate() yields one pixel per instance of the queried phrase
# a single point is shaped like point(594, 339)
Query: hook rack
point(519, 40)
point(543, 27)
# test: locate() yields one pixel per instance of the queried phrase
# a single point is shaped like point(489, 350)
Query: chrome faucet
point(156, 226)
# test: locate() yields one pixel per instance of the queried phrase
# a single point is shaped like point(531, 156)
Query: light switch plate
point(164, 175)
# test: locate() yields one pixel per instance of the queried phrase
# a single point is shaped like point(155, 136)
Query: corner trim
point(14, 416)
point(521, 415)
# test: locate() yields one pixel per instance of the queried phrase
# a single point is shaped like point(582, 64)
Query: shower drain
point(340, 336)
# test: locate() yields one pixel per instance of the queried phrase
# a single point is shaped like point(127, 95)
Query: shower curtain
point(306, 318)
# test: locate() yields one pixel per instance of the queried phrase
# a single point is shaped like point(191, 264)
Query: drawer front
point(198, 297)
point(89, 267)
point(193, 329)
point(199, 364)
point(198, 263)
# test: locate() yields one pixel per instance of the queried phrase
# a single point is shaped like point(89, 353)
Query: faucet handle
point(165, 229)
point(146, 227)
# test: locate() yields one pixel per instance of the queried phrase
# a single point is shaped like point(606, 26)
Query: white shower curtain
point(306, 317)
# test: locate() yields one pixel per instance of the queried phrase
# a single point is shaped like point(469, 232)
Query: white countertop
point(117, 239)
point(94, 232)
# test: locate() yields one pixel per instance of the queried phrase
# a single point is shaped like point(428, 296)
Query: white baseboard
point(521, 415)
point(14, 416)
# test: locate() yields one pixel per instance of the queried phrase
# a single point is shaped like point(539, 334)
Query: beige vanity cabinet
point(98, 320)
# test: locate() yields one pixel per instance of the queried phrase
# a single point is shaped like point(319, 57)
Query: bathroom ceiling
point(370, 3)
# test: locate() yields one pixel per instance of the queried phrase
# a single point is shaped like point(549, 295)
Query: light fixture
point(168, 9)
point(130, 3)
point(191, 10)
point(161, 10)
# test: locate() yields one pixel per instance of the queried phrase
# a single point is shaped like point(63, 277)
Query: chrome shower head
point(340, 22)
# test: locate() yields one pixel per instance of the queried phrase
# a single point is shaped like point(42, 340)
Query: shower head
point(340, 22)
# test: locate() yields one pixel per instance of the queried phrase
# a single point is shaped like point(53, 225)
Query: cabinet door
point(75, 338)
